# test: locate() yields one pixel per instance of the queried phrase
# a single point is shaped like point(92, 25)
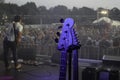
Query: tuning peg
point(74, 30)
point(79, 44)
point(56, 40)
point(58, 34)
point(59, 27)
point(76, 35)
point(61, 20)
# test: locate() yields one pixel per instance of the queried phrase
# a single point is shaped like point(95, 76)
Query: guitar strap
point(15, 33)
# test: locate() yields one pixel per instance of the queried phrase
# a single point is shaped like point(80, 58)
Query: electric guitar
point(66, 44)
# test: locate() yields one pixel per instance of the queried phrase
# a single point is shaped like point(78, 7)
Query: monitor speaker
point(111, 60)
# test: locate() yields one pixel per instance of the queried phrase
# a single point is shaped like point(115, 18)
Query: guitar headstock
point(75, 42)
point(67, 36)
point(64, 40)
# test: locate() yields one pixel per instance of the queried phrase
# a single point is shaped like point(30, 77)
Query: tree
point(29, 8)
point(42, 10)
point(2, 1)
point(115, 13)
point(86, 11)
point(59, 10)
point(75, 11)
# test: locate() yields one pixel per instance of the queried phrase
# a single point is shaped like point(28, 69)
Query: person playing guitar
point(13, 35)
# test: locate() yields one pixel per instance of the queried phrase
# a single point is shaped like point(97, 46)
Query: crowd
point(42, 37)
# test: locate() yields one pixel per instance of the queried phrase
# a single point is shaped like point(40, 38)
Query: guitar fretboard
point(63, 66)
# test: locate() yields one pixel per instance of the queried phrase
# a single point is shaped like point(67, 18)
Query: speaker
point(114, 75)
point(111, 60)
point(103, 75)
point(108, 74)
point(89, 73)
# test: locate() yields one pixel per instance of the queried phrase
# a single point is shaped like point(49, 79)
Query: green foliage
point(36, 15)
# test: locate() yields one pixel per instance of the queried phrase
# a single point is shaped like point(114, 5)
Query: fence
point(86, 52)
point(37, 51)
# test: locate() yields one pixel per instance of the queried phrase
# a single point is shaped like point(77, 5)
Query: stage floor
point(31, 72)
point(45, 71)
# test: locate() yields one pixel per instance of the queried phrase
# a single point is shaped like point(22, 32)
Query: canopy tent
point(106, 20)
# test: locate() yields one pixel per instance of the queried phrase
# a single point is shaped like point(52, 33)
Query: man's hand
point(18, 40)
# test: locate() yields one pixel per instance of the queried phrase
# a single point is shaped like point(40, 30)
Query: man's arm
point(19, 37)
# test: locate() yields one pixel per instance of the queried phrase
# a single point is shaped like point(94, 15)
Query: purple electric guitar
point(68, 43)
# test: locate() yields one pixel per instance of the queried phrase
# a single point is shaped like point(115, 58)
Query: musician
point(13, 34)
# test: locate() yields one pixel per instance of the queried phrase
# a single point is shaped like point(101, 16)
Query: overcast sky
point(70, 3)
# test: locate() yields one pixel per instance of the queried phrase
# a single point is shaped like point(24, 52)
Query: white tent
point(115, 23)
point(107, 20)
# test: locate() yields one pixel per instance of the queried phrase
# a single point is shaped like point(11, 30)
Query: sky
point(109, 4)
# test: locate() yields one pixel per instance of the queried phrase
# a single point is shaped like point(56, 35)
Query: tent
point(107, 20)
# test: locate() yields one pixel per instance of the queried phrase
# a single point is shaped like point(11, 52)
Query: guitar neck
point(63, 65)
point(75, 64)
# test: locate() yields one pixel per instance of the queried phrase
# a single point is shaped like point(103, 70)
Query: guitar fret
point(63, 67)
point(63, 72)
point(63, 59)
